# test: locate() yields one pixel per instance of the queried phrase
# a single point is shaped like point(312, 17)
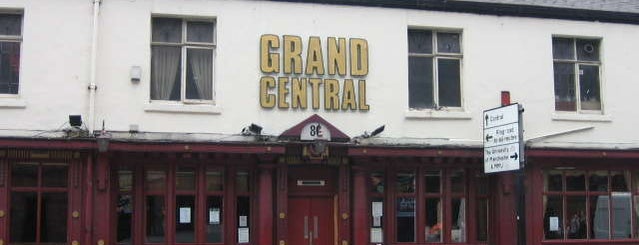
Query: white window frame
point(16, 39)
point(184, 46)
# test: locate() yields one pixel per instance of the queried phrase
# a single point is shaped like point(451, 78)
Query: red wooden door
point(311, 221)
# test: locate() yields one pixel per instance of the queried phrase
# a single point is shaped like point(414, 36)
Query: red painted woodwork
point(4, 194)
point(101, 205)
point(506, 220)
point(295, 131)
point(344, 215)
point(311, 220)
point(360, 208)
point(265, 206)
point(88, 202)
point(357, 151)
point(282, 203)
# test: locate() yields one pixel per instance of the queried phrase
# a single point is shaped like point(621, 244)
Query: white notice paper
point(554, 224)
point(377, 221)
point(185, 215)
point(243, 220)
point(378, 209)
point(242, 235)
point(376, 235)
point(214, 216)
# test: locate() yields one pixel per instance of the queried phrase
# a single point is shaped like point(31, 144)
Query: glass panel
point(214, 219)
point(155, 180)
point(405, 219)
point(457, 181)
point(575, 180)
point(185, 219)
point(588, 49)
point(201, 32)
point(620, 181)
point(589, 87)
point(406, 182)
point(125, 180)
point(458, 225)
point(552, 180)
point(24, 175)
point(482, 220)
point(155, 218)
point(185, 179)
point(565, 96)
point(563, 48)
point(433, 227)
point(214, 181)
point(621, 215)
point(24, 211)
point(167, 30)
point(199, 74)
point(599, 217)
point(598, 181)
point(420, 82)
point(576, 213)
point(433, 181)
point(243, 212)
point(377, 182)
point(10, 24)
point(9, 67)
point(242, 181)
point(420, 41)
point(448, 43)
point(165, 73)
point(125, 218)
point(553, 217)
point(449, 82)
point(53, 226)
point(54, 175)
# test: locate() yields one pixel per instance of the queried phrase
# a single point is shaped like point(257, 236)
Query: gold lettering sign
point(328, 80)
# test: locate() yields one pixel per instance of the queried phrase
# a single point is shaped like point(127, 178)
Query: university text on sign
point(502, 139)
point(312, 73)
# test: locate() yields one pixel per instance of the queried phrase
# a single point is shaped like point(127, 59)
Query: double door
point(311, 221)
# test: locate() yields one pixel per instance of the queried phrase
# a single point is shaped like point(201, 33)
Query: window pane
point(588, 49)
point(10, 24)
point(242, 181)
point(405, 219)
point(199, 75)
point(458, 225)
point(600, 217)
point(434, 223)
point(125, 218)
point(433, 181)
point(54, 175)
point(53, 226)
point(565, 98)
point(420, 82)
point(563, 48)
point(9, 67)
point(185, 219)
point(621, 214)
point(165, 73)
point(155, 180)
point(243, 212)
point(576, 210)
point(155, 218)
point(214, 181)
point(620, 181)
point(125, 180)
point(406, 182)
point(482, 220)
point(167, 30)
point(553, 181)
point(598, 181)
point(420, 41)
point(448, 43)
point(589, 87)
point(185, 179)
point(24, 175)
point(214, 219)
point(553, 217)
point(457, 181)
point(575, 181)
point(449, 79)
point(201, 32)
point(24, 210)
point(377, 182)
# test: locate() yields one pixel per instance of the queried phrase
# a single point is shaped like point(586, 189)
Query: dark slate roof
point(615, 11)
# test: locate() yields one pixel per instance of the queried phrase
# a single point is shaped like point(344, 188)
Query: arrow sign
point(514, 156)
point(502, 139)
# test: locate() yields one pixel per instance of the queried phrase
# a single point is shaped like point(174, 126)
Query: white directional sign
point(502, 139)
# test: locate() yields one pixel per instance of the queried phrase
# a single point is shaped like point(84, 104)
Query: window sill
point(435, 114)
point(581, 117)
point(183, 108)
point(12, 103)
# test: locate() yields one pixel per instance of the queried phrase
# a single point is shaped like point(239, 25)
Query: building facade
point(319, 123)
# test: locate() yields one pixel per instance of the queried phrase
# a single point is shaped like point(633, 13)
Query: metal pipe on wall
point(92, 70)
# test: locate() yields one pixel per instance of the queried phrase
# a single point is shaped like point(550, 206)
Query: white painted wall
point(500, 53)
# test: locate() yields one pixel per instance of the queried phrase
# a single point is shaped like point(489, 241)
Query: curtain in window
point(200, 62)
point(164, 70)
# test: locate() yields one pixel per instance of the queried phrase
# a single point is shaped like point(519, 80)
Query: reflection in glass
point(125, 218)
point(598, 181)
point(458, 227)
point(243, 212)
point(167, 30)
point(448, 42)
point(552, 180)
point(24, 175)
point(565, 93)
point(184, 219)
point(621, 215)
point(575, 181)
point(214, 219)
point(588, 49)
point(155, 180)
point(420, 82)
point(449, 82)
point(434, 223)
point(600, 217)
point(201, 32)
point(9, 66)
point(553, 217)
point(482, 220)
point(185, 179)
point(576, 217)
point(433, 181)
point(53, 223)
point(563, 48)
point(54, 175)
point(406, 182)
point(420, 41)
point(214, 181)
point(620, 181)
point(405, 219)
point(457, 184)
point(125, 180)
point(589, 87)
point(24, 208)
point(377, 182)
point(155, 219)
point(242, 181)
point(199, 74)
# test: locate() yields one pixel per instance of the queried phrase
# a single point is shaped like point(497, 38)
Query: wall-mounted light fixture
point(103, 139)
point(135, 74)
point(252, 129)
point(75, 121)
